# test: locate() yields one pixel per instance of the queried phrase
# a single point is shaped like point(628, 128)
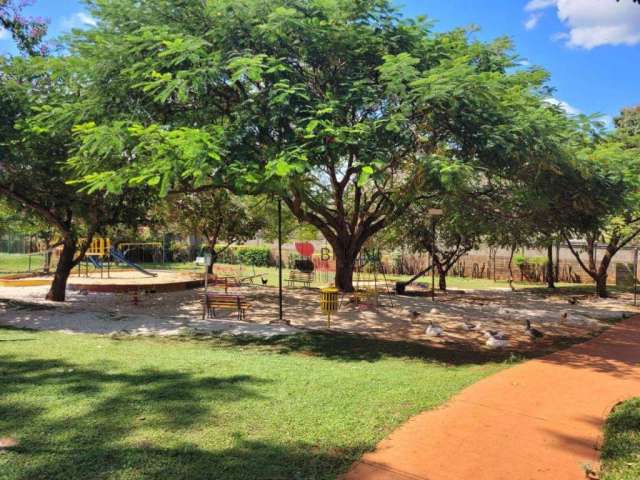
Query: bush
point(228, 256)
point(180, 251)
point(257, 256)
point(519, 260)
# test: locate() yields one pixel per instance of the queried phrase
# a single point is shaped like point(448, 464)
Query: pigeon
point(573, 301)
point(533, 332)
point(495, 342)
point(434, 330)
point(495, 334)
point(470, 326)
point(414, 314)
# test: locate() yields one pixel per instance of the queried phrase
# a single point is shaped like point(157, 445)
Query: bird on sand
point(496, 342)
point(470, 326)
point(497, 334)
point(434, 330)
point(532, 332)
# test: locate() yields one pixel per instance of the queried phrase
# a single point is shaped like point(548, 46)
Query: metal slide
point(122, 259)
point(94, 261)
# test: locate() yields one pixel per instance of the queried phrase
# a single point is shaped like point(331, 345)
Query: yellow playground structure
point(100, 247)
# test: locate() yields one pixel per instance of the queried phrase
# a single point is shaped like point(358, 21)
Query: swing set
point(371, 281)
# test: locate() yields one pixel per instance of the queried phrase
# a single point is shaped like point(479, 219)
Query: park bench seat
point(217, 301)
point(306, 278)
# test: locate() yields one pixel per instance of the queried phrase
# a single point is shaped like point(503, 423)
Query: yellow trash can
point(329, 302)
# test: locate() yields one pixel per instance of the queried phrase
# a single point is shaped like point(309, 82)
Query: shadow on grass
point(354, 347)
point(107, 429)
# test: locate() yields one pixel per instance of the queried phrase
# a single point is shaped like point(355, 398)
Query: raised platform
point(119, 281)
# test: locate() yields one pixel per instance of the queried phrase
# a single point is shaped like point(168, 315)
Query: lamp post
point(635, 277)
point(433, 213)
point(280, 314)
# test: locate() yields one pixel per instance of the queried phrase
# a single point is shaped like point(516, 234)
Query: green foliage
point(221, 218)
point(344, 109)
point(520, 260)
point(256, 256)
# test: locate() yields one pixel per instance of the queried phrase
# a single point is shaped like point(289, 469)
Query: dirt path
point(540, 420)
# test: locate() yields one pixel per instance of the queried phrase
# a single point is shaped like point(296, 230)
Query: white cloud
point(571, 110)
point(78, 20)
point(4, 34)
point(532, 21)
point(593, 23)
point(539, 4)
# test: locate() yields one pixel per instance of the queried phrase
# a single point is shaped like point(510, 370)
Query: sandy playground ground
point(173, 312)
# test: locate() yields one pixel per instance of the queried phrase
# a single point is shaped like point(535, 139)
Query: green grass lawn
point(93, 407)
point(621, 451)
point(19, 262)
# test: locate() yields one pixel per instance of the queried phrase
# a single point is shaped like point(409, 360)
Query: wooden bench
point(217, 301)
point(306, 278)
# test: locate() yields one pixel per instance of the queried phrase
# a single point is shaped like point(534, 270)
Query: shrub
point(519, 260)
point(228, 256)
point(258, 256)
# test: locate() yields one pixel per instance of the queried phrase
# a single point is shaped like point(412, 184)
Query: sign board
point(435, 212)
point(305, 249)
point(206, 260)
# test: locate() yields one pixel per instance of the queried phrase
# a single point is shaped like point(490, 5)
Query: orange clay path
point(539, 420)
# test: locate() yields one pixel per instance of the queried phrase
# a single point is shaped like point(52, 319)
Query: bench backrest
point(301, 275)
point(212, 297)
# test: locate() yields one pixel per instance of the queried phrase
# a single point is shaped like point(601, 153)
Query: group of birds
point(494, 338)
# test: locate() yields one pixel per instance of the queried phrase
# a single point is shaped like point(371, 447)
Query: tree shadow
point(343, 346)
point(615, 352)
point(110, 433)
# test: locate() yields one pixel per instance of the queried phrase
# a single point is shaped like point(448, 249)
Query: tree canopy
point(344, 109)
point(37, 112)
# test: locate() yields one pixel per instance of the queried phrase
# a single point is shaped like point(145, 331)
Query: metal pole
point(433, 267)
point(635, 277)
point(595, 262)
point(280, 315)
point(206, 286)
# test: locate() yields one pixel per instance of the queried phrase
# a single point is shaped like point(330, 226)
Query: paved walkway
point(539, 420)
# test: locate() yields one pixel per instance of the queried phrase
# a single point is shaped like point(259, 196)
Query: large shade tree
point(339, 107)
point(39, 104)
point(616, 156)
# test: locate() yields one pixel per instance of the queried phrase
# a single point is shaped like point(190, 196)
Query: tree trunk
point(442, 280)
point(513, 251)
point(214, 258)
point(345, 263)
point(601, 285)
point(549, 267)
point(57, 292)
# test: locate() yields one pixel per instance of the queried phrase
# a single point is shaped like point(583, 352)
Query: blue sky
point(591, 47)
